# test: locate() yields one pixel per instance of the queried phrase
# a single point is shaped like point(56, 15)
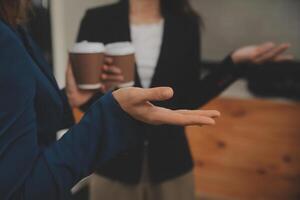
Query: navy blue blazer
point(32, 110)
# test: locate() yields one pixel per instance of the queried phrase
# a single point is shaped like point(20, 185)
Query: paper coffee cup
point(86, 58)
point(123, 57)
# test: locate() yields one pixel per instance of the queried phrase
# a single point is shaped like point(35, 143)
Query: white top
point(147, 41)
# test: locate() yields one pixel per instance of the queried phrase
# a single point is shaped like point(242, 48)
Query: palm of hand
point(136, 102)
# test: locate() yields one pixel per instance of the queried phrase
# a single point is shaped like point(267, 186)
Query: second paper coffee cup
point(123, 57)
point(86, 59)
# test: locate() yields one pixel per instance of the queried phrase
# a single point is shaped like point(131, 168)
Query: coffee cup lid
point(119, 48)
point(88, 47)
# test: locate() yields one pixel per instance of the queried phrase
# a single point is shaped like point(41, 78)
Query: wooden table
point(252, 153)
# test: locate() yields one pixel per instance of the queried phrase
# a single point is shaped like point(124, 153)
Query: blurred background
point(254, 151)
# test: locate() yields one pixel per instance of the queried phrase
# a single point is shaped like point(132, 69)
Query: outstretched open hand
point(136, 102)
point(259, 54)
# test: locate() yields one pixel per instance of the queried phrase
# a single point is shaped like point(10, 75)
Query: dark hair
point(177, 7)
point(180, 8)
point(14, 12)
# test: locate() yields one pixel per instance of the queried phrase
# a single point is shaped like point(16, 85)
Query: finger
point(69, 67)
point(206, 113)
point(103, 89)
point(69, 70)
point(283, 58)
point(70, 79)
point(153, 94)
point(279, 50)
point(272, 53)
point(166, 116)
point(108, 60)
point(114, 78)
point(264, 48)
point(111, 69)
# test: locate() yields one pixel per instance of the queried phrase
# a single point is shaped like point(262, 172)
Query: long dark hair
point(14, 12)
point(177, 7)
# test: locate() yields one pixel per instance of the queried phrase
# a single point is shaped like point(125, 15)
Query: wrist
point(235, 58)
point(85, 106)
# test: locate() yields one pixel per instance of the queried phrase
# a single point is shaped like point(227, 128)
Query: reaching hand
point(111, 76)
point(136, 102)
point(259, 54)
point(76, 96)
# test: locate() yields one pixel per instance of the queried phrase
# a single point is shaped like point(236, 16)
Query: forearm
point(217, 81)
point(212, 85)
point(104, 132)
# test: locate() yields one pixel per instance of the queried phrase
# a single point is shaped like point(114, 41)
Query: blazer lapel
point(123, 30)
point(163, 52)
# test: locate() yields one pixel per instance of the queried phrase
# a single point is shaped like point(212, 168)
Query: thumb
point(70, 79)
point(69, 71)
point(156, 94)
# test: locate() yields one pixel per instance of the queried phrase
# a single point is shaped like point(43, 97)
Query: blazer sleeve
point(68, 116)
point(28, 171)
point(206, 88)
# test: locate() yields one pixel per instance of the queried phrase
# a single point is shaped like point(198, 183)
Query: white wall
point(233, 23)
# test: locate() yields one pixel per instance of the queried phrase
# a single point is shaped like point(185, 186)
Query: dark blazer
point(32, 109)
point(178, 67)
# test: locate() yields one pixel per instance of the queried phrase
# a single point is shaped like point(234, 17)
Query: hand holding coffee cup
point(87, 59)
point(121, 60)
point(111, 75)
